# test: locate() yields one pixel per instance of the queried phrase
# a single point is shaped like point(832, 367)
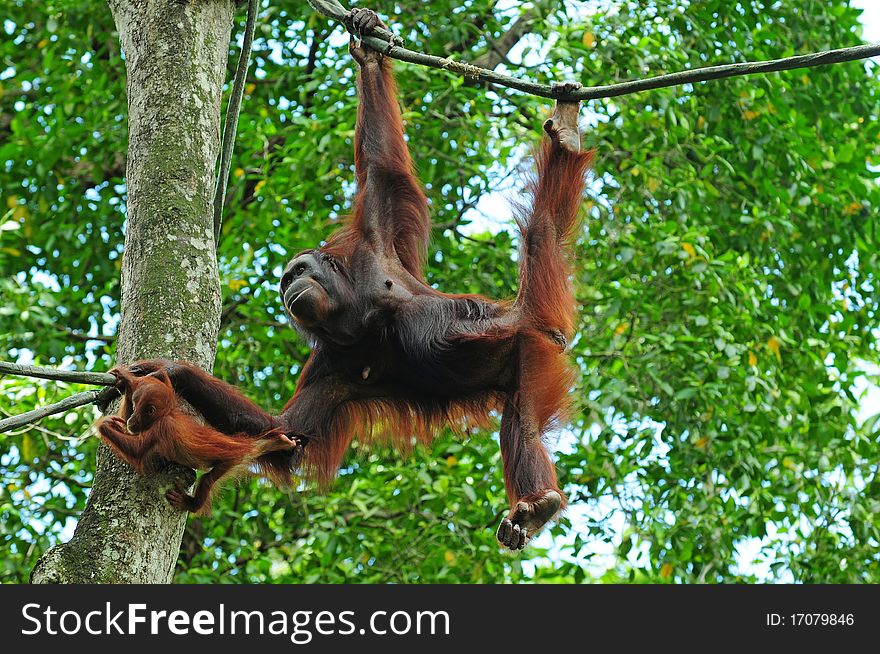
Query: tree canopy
point(726, 279)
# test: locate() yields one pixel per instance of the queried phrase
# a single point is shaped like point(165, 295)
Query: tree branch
point(76, 376)
point(476, 27)
point(72, 402)
point(101, 397)
point(498, 50)
point(85, 338)
point(378, 41)
point(333, 9)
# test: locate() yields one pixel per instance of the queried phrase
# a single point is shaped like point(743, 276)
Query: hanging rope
point(390, 45)
point(233, 109)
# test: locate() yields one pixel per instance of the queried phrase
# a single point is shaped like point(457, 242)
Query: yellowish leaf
point(703, 442)
point(451, 460)
point(250, 88)
point(449, 556)
point(589, 39)
point(42, 43)
point(774, 344)
point(753, 360)
point(666, 570)
point(622, 327)
point(11, 201)
point(701, 123)
point(852, 208)
point(748, 114)
point(238, 172)
point(259, 185)
point(690, 249)
point(653, 184)
point(237, 284)
point(12, 252)
point(28, 451)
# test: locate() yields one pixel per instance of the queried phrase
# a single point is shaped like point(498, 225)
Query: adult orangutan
point(395, 356)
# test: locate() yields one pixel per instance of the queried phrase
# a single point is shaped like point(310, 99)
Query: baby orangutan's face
point(152, 400)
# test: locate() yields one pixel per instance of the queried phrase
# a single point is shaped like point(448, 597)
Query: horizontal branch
point(333, 9)
point(731, 70)
point(95, 378)
point(379, 41)
point(72, 402)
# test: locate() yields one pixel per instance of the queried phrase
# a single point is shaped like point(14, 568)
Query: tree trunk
point(176, 55)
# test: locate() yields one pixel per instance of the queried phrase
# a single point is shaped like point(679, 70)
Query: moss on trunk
point(175, 55)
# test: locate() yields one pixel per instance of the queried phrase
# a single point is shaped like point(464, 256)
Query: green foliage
point(726, 277)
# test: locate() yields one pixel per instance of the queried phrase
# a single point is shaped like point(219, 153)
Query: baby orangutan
point(152, 427)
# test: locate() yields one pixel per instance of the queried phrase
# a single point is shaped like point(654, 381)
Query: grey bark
point(175, 56)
